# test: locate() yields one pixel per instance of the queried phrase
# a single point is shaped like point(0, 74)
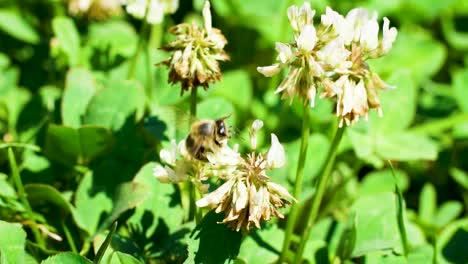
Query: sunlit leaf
point(80, 87)
point(66, 257)
point(12, 242)
point(15, 24)
point(119, 103)
point(68, 38)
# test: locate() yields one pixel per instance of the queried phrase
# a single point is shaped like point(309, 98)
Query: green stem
point(153, 43)
point(194, 213)
point(298, 185)
point(193, 103)
point(141, 44)
point(69, 237)
point(22, 196)
point(321, 184)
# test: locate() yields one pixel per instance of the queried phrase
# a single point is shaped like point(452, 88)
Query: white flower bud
point(256, 125)
point(207, 16)
point(389, 36)
point(276, 156)
point(169, 156)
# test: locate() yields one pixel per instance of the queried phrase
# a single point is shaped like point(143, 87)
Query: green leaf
point(451, 243)
point(12, 243)
point(121, 250)
point(376, 225)
point(404, 96)
point(77, 146)
point(40, 194)
point(460, 88)
point(448, 212)
point(427, 203)
point(456, 39)
point(114, 37)
point(158, 208)
point(262, 246)
point(382, 181)
point(14, 23)
point(105, 244)
point(405, 146)
point(66, 257)
point(127, 196)
point(213, 242)
point(91, 202)
point(216, 107)
point(421, 254)
point(6, 190)
point(235, 87)
point(115, 105)
point(123, 258)
point(80, 87)
point(68, 38)
point(414, 50)
point(460, 177)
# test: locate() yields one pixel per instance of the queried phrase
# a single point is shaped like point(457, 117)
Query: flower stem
point(321, 184)
point(140, 45)
point(298, 185)
point(155, 37)
point(193, 103)
point(193, 210)
point(22, 196)
point(69, 237)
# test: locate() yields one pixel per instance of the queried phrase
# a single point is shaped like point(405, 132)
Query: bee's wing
point(177, 121)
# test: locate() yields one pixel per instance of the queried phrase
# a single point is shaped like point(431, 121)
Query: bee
point(206, 135)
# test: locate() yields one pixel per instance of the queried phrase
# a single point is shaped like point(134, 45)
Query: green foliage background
point(85, 139)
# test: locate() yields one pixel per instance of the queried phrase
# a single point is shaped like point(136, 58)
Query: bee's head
point(222, 129)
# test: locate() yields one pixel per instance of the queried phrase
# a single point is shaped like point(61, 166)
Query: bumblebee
point(206, 135)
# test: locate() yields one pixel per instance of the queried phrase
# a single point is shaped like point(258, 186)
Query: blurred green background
point(85, 132)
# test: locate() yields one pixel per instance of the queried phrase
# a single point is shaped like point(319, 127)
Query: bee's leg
point(201, 154)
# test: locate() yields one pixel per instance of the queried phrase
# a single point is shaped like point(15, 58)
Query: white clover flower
point(156, 9)
point(248, 196)
point(196, 53)
point(332, 56)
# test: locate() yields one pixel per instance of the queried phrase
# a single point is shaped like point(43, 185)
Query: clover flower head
point(95, 9)
point(248, 196)
point(332, 56)
point(196, 53)
point(154, 10)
